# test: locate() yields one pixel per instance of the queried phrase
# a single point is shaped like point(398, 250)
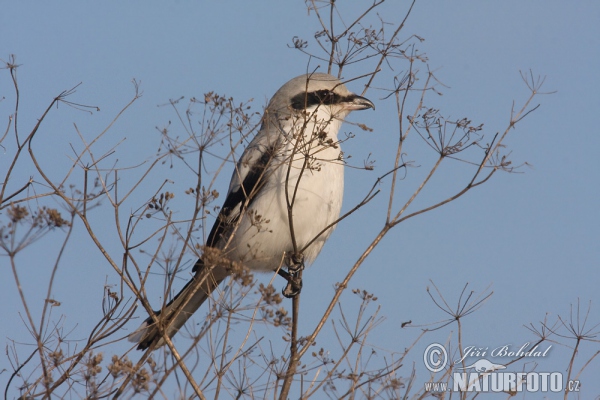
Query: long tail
point(175, 314)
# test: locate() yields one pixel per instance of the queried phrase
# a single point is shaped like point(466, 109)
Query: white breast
point(264, 235)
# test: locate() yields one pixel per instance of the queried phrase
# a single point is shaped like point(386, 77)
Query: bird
point(284, 198)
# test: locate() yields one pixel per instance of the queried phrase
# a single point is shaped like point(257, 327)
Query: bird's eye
point(326, 96)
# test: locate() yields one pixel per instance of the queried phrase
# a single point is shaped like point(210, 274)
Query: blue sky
point(532, 235)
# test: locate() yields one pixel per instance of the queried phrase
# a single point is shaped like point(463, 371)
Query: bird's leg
point(293, 275)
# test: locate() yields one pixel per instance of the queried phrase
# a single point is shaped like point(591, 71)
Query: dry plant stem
point(159, 321)
point(294, 359)
point(92, 340)
point(384, 53)
point(460, 346)
point(127, 247)
point(88, 146)
point(17, 370)
point(223, 352)
point(290, 200)
point(115, 204)
point(403, 134)
point(171, 370)
point(88, 227)
point(128, 256)
point(411, 380)
point(180, 363)
point(224, 367)
point(183, 367)
point(586, 364)
point(340, 288)
point(54, 269)
point(163, 329)
point(67, 373)
point(37, 335)
point(334, 369)
point(395, 367)
point(61, 194)
point(493, 148)
point(8, 125)
point(16, 193)
point(231, 157)
point(362, 344)
point(198, 207)
point(332, 38)
point(571, 362)
point(20, 146)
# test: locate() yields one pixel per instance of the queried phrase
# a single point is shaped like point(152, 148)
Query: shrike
point(284, 197)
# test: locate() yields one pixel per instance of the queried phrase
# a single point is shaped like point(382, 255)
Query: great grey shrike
point(284, 197)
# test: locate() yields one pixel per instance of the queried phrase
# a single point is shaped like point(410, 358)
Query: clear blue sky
point(534, 236)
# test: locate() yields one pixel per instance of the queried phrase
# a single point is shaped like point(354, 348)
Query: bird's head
point(317, 92)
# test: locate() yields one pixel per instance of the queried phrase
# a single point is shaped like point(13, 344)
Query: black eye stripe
point(306, 100)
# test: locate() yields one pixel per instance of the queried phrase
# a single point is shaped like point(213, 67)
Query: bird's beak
point(356, 102)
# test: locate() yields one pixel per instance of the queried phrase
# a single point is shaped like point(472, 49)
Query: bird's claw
point(293, 275)
point(293, 287)
point(295, 262)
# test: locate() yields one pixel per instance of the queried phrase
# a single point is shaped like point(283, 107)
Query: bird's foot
point(293, 287)
point(293, 275)
point(295, 262)
point(294, 282)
